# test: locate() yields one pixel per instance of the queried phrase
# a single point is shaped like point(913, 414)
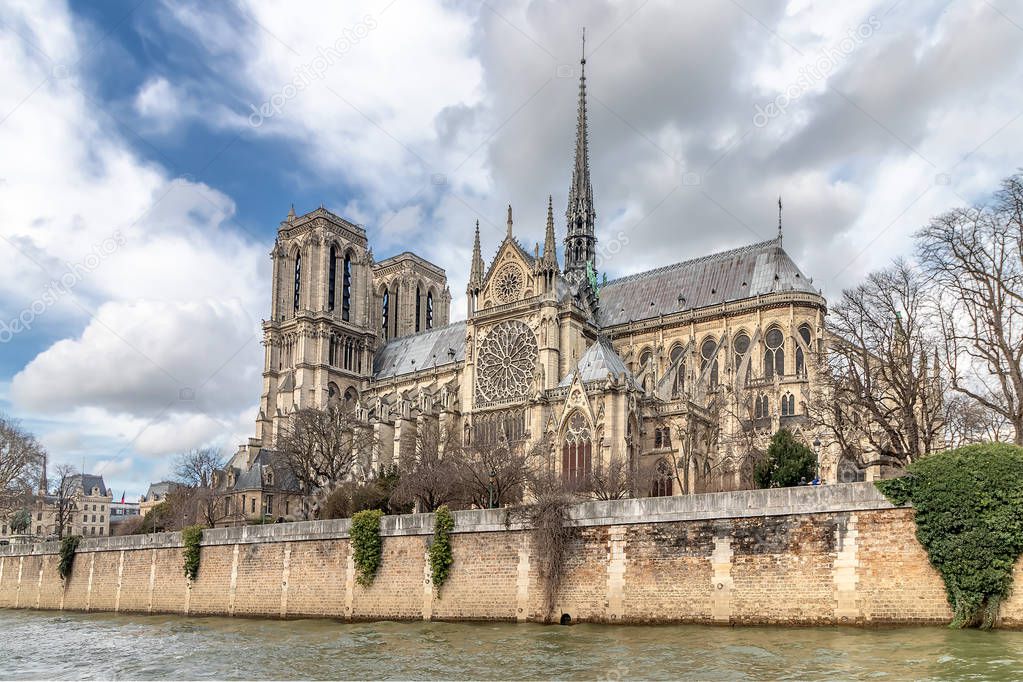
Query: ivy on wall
point(68, 547)
point(969, 518)
point(440, 549)
point(367, 547)
point(191, 538)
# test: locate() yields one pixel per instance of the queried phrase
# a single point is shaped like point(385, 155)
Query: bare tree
point(878, 396)
point(322, 449)
point(21, 462)
point(612, 481)
point(194, 470)
point(65, 494)
point(497, 473)
point(427, 469)
point(974, 257)
point(692, 461)
point(968, 421)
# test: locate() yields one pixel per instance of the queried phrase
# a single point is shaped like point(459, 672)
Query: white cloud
point(161, 347)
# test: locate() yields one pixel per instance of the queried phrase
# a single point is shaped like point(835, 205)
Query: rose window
point(506, 363)
point(508, 284)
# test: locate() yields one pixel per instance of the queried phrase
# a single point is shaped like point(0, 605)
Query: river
point(48, 645)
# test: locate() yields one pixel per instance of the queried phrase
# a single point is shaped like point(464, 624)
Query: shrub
point(788, 461)
point(191, 538)
point(68, 547)
point(367, 547)
point(969, 518)
point(440, 549)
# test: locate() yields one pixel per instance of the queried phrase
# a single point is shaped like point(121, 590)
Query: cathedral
point(677, 371)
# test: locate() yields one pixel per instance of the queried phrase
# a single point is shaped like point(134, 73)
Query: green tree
point(968, 506)
point(787, 462)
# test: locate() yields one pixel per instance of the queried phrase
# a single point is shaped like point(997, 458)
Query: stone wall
point(833, 554)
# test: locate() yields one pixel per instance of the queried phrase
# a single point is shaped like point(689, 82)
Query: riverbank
point(36, 645)
point(829, 555)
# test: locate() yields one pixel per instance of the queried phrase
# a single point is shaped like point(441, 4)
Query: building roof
point(599, 362)
point(252, 478)
point(158, 491)
point(724, 277)
point(88, 482)
point(421, 351)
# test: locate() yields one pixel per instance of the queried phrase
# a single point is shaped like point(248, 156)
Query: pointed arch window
point(774, 356)
point(385, 308)
point(661, 486)
point(419, 308)
point(804, 333)
point(679, 364)
point(709, 361)
point(741, 346)
point(788, 405)
point(346, 288)
point(429, 310)
point(298, 277)
point(646, 359)
point(761, 408)
point(332, 278)
point(576, 451)
point(394, 310)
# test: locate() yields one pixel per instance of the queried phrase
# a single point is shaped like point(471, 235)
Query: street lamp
point(492, 486)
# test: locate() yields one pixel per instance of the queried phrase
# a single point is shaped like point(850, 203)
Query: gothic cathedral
point(678, 368)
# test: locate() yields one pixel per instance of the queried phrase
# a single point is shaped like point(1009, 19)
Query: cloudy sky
point(150, 149)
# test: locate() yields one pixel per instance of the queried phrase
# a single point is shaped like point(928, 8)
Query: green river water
point(47, 645)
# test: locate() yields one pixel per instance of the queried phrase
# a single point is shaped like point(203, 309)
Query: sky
point(149, 151)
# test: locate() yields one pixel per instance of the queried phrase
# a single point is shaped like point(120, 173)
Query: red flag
point(122, 497)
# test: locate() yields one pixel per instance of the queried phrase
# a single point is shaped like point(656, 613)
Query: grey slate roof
point(160, 490)
point(88, 482)
point(599, 362)
point(252, 478)
point(420, 351)
point(711, 280)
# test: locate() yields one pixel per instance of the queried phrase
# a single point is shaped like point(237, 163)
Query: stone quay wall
point(798, 556)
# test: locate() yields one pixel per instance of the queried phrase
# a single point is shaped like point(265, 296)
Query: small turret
point(475, 285)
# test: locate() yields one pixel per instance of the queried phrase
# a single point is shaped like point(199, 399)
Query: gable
point(510, 276)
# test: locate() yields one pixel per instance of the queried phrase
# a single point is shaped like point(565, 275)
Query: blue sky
point(139, 193)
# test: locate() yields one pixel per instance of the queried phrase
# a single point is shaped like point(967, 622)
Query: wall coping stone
point(844, 497)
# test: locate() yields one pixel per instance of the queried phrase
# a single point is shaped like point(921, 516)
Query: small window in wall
point(646, 359)
point(429, 310)
point(385, 309)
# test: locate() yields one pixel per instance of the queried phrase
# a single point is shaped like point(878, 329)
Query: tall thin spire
point(476, 273)
point(779, 218)
point(509, 222)
point(550, 256)
point(580, 243)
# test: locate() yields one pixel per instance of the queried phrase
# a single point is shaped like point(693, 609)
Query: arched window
point(708, 360)
point(576, 451)
point(666, 438)
point(646, 359)
point(419, 307)
point(298, 277)
point(657, 439)
point(385, 309)
point(394, 310)
point(351, 397)
point(741, 346)
point(804, 333)
point(761, 409)
point(785, 405)
point(429, 310)
point(774, 356)
point(332, 279)
point(662, 483)
point(679, 383)
point(346, 289)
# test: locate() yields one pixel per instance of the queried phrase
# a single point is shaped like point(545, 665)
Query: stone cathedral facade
point(679, 367)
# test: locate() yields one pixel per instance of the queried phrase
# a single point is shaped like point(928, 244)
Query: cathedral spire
point(509, 222)
point(779, 219)
point(476, 273)
point(580, 242)
point(550, 256)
